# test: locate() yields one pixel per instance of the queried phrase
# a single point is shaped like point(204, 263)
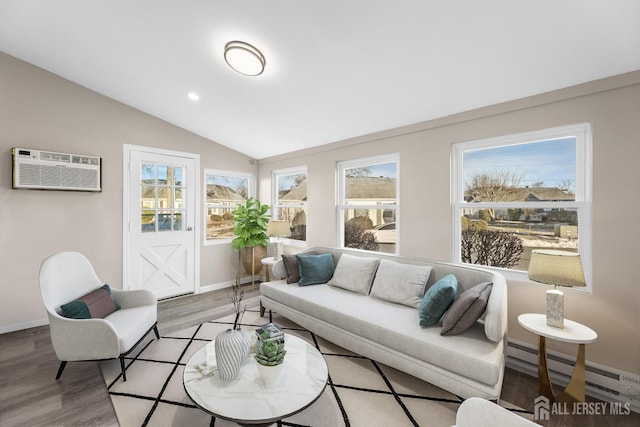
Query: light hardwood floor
point(30, 396)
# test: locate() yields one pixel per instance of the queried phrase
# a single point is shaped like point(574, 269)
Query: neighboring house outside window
point(522, 192)
point(368, 203)
point(224, 190)
point(289, 201)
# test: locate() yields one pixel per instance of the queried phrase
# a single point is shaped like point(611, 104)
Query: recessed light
point(244, 58)
point(193, 96)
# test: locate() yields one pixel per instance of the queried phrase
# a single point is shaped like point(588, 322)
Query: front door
point(161, 231)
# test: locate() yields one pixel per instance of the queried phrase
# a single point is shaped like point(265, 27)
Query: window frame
point(583, 190)
point(341, 204)
point(275, 205)
point(251, 191)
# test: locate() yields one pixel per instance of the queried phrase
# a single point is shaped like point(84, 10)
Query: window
point(368, 203)
point(289, 200)
point(522, 192)
point(223, 192)
point(161, 190)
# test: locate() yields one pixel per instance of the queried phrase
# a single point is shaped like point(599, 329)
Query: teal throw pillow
point(437, 300)
point(315, 269)
point(97, 304)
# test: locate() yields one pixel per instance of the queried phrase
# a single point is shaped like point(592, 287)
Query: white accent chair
point(478, 412)
point(67, 276)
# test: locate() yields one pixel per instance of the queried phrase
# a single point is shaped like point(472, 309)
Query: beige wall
point(39, 110)
point(611, 105)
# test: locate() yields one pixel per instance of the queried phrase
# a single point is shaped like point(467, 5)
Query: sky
point(550, 162)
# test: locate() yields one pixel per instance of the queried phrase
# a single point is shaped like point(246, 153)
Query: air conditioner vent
point(46, 170)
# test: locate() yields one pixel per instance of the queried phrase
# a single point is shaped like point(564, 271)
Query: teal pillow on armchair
point(315, 269)
point(437, 300)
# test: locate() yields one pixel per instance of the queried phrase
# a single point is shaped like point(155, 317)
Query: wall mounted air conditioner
point(47, 170)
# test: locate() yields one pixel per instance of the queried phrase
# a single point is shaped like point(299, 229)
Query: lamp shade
point(278, 229)
point(558, 268)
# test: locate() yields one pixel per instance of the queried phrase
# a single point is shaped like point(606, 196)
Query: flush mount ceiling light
point(244, 58)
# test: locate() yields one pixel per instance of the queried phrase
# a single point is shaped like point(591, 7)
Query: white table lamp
point(278, 229)
point(558, 268)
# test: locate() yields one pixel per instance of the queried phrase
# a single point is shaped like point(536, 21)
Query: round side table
point(573, 332)
point(268, 262)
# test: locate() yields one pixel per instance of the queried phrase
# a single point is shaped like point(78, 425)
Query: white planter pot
point(269, 374)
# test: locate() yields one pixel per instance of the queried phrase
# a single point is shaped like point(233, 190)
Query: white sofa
point(467, 365)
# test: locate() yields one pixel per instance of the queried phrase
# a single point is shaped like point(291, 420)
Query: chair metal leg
point(61, 368)
point(155, 329)
point(124, 374)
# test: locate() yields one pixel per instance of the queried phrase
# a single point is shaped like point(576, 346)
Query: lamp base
point(278, 251)
point(555, 308)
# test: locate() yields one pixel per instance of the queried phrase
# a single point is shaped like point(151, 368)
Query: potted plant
point(270, 356)
point(250, 222)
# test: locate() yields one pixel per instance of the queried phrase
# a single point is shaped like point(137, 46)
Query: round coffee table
point(247, 400)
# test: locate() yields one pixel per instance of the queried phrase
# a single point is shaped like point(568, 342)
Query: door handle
point(189, 228)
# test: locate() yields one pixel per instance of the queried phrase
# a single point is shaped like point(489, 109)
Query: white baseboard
point(26, 325)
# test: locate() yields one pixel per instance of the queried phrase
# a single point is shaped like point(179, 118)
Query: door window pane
point(161, 191)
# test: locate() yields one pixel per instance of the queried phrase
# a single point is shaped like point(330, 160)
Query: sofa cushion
point(400, 283)
point(315, 269)
point(466, 309)
point(95, 304)
point(131, 324)
point(437, 300)
point(291, 266)
point(393, 325)
point(354, 273)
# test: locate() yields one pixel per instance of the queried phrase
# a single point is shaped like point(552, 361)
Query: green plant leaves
point(250, 223)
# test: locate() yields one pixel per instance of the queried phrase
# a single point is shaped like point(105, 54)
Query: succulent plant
point(269, 353)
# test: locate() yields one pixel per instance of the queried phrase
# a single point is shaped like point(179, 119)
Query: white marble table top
point(573, 332)
point(247, 399)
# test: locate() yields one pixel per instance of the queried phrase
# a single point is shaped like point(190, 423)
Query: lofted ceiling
point(335, 69)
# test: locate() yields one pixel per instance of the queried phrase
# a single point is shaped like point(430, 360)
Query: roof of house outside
point(534, 194)
point(222, 192)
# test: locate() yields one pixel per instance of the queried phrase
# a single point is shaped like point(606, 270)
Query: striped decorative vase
point(232, 346)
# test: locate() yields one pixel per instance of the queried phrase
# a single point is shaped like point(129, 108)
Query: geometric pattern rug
point(359, 392)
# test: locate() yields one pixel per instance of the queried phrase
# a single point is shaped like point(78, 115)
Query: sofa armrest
point(83, 339)
point(495, 320)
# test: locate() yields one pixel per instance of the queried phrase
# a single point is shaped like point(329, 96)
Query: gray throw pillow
point(400, 283)
point(354, 273)
point(291, 265)
point(437, 300)
point(466, 309)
